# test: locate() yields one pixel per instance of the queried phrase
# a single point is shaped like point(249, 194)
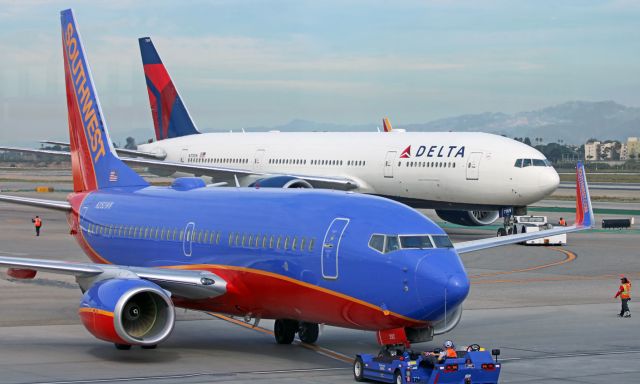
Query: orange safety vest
point(625, 291)
point(38, 222)
point(563, 222)
point(451, 353)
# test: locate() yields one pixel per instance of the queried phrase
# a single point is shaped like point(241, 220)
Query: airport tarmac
point(550, 310)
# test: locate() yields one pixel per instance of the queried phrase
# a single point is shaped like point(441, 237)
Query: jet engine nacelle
point(281, 182)
point(127, 311)
point(469, 218)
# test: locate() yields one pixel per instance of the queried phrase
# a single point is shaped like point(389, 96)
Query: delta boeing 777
point(302, 257)
point(467, 177)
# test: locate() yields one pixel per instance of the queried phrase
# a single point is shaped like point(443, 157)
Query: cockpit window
point(377, 243)
point(442, 241)
point(392, 244)
point(415, 242)
point(521, 163)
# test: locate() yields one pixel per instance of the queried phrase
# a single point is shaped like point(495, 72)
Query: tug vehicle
point(398, 364)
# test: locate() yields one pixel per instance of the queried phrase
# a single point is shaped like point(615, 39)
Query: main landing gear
point(285, 331)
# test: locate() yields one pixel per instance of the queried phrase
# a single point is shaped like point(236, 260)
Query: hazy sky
point(250, 63)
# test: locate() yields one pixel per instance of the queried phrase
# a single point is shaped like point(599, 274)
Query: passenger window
point(181, 237)
point(264, 241)
point(526, 163)
point(218, 238)
point(278, 244)
point(231, 239)
point(237, 240)
point(248, 242)
point(271, 242)
point(294, 243)
point(206, 238)
point(162, 234)
point(257, 241)
point(311, 243)
point(146, 232)
point(392, 244)
point(286, 243)
point(377, 242)
point(302, 241)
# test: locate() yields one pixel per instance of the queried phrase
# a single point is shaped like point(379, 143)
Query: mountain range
point(573, 122)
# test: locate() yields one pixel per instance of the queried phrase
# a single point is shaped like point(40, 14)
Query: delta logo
point(434, 151)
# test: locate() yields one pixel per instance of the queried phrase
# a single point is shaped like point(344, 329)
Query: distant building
point(633, 148)
point(592, 151)
point(624, 155)
point(608, 151)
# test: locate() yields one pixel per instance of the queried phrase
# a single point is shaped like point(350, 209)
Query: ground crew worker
point(37, 223)
point(562, 222)
point(625, 295)
point(448, 352)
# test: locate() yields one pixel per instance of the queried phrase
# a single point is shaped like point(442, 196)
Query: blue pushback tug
point(395, 364)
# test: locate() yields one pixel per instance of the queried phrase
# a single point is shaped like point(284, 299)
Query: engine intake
point(469, 218)
point(281, 182)
point(128, 311)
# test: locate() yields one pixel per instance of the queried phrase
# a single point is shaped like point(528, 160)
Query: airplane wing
point(190, 284)
point(331, 182)
point(42, 203)
point(584, 220)
point(119, 151)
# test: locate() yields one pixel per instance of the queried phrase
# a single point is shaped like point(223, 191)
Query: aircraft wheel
point(308, 332)
point(285, 330)
point(397, 377)
point(153, 346)
point(358, 369)
point(122, 347)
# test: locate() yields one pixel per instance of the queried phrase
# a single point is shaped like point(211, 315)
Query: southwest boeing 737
point(302, 257)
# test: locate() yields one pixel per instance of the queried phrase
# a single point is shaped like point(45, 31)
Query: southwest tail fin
point(93, 161)
point(584, 210)
point(170, 116)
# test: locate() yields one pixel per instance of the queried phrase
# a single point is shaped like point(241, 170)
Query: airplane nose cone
point(548, 181)
point(457, 290)
point(442, 284)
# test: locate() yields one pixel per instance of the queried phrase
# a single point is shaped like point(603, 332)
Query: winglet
point(387, 125)
point(584, 210)
point(170, 115)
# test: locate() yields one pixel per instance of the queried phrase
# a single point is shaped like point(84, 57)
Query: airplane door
point(388, 164)
point(184, 154)
point(331, 247)
point(258, 161)
point(473, 166)
point(187, 240)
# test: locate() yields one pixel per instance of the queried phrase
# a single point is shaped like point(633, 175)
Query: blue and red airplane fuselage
point(329, 275)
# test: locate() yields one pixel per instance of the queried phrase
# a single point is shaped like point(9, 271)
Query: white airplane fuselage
point(441, 170)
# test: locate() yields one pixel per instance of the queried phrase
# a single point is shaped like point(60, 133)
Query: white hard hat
point(448, 344)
